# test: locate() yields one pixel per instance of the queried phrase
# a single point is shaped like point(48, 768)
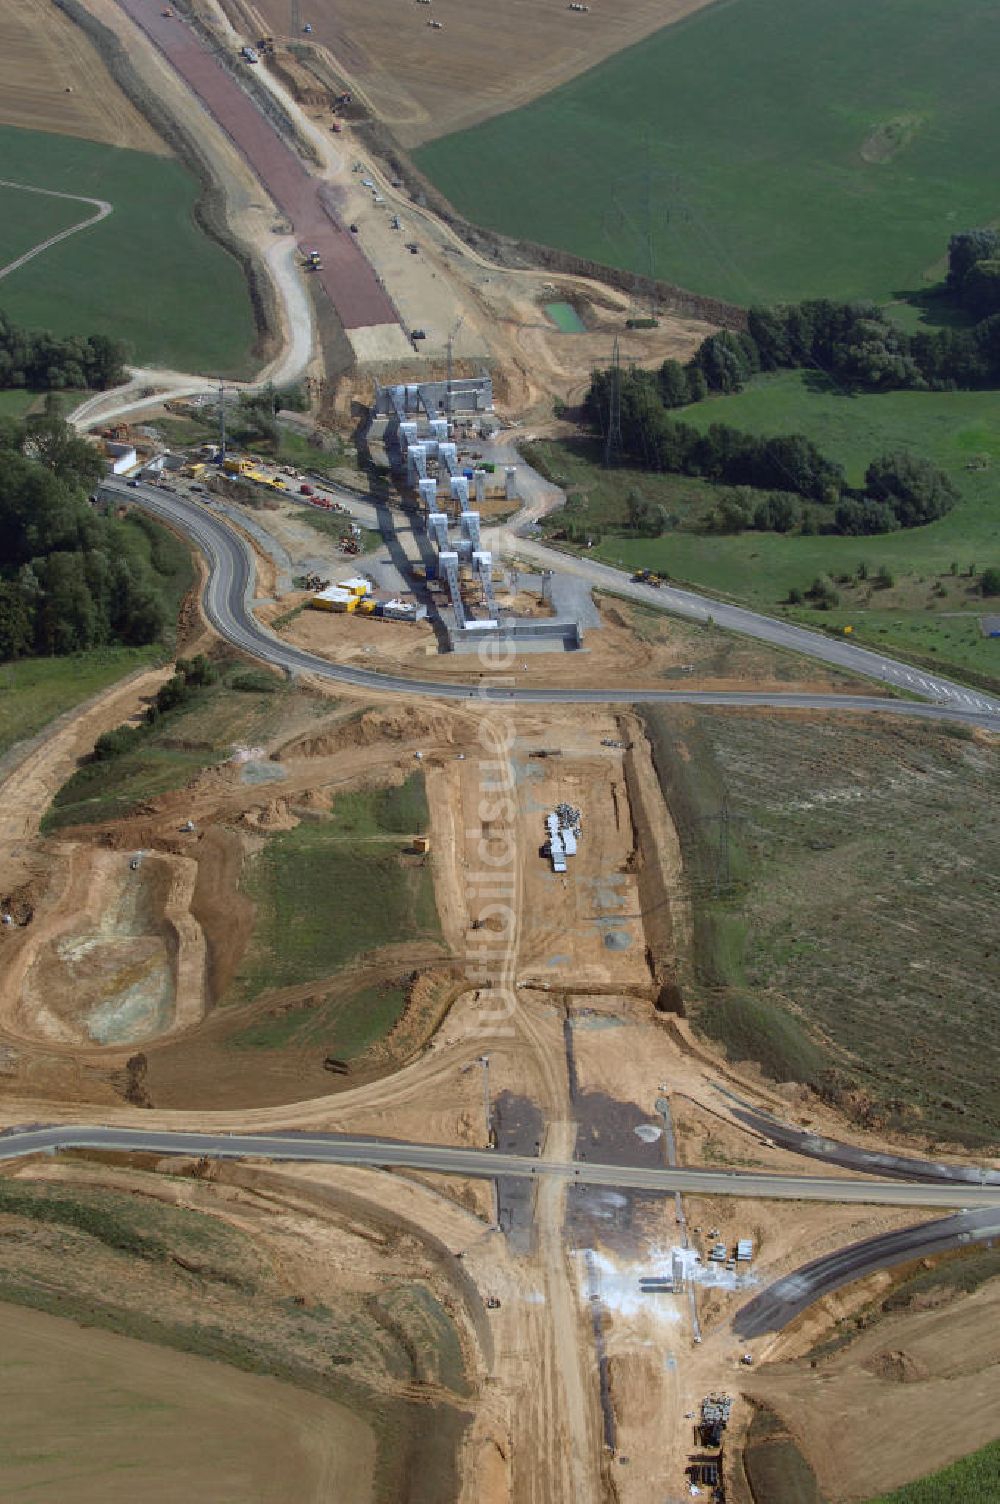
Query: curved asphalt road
point(869, 1161)
point(486, 1164)
point(787, 1298)
point(227, 605)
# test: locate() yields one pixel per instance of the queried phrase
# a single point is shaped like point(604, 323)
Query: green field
point(146, 274)
point(929, 613)
point(333, 889)
point(172, 751)
point(27, 218)
point(791, 148)
point(15, 401)
point(34, 691)
point(972, 1480)
point(342, 1027)
point(846, 939)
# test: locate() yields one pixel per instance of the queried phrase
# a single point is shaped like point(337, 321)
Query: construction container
point(334, 599)
point(366, 605)
point(422, 844)
point(356, 586)
point(744, 1250)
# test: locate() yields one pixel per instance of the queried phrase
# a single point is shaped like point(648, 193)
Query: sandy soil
point(913, 1393)
point(425, 83)
point(207, 1433)
point(527, 978)
point(669, 653)
point(52, 79)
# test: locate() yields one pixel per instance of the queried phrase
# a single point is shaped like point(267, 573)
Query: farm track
point(101, 205)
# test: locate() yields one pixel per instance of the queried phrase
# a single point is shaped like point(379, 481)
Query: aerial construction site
point(481, 1019)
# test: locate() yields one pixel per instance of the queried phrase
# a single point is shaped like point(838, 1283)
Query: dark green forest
point(73, 576)
point(40, 362)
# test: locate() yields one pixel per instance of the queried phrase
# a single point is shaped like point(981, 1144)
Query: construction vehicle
point(313, 261)
point(234, 465)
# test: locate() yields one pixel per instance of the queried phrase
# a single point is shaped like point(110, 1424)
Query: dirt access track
point(346, 276)
point(423, 82)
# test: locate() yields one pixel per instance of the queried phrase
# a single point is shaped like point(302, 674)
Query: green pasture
point(786, 149)
point(26, 219)
point(931, 610)
point(146, 274)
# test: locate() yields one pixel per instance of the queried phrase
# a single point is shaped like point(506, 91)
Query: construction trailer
point(334, 599)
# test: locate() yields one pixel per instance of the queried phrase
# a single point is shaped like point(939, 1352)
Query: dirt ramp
point(412, 724)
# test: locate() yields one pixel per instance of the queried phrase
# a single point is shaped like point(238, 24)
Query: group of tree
point(974, 271)
point(70, 577)
point(44, 363)
point(857, 345)
point(801, 488)
point(256, 418)
point(190, 675)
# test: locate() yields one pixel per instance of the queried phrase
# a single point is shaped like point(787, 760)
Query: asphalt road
point(787, 1298)
point(837, 652)
point(868, 1161)
point(227, 604)
point(487, 1164)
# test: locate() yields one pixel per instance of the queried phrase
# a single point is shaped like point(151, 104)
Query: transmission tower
point(722, 881)
point(222, 424)
point(613, 445)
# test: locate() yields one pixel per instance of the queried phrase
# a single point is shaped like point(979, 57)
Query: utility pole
point(613, 439)
point(451, 347)
point(222, 424)
point(484, 1061)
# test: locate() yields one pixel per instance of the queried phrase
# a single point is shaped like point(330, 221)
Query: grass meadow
point(28, 218)
point(931, 612)
point(333, 889)
point(846, 938)
point(146, 274)
point(786, 148)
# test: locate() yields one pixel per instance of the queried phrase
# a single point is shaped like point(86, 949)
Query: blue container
point(469, 474)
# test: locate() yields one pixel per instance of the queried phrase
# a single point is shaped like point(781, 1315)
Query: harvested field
point(847, 937)
point(312, 1295)
point(51, 79)
point(346, 276)
point(84, 1411)
point(425, 83)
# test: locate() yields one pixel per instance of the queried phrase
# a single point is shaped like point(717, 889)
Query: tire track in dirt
point(103, 210)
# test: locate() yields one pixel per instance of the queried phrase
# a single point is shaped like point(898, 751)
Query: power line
point(613, 445)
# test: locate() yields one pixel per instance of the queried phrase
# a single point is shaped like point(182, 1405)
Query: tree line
point(900, 490)
point(856, 344)
point(71, 576)
point(41, 362)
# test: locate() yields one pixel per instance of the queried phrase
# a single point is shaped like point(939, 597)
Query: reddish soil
point(346, 276)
